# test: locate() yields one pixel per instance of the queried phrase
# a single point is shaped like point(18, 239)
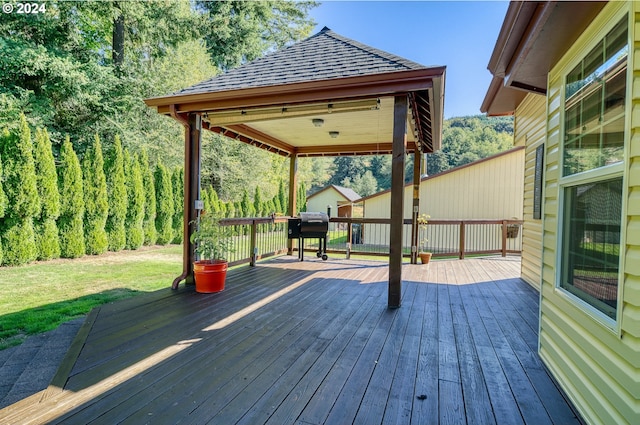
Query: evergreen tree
point(96, 203)
point(277, 208)
point(70, 222)
point(283, 197)
point(247, 206)
point(204, 197)
point(177, 181)
point(239, 212)
point(117, 196)
point(3, 200)
point(149, 222)
point(231, 210)
point(164, 204)
point(258, 203)
point(46, 230)
point(215, 201)
point(23, 204)
point(135, 201)
point(301, 201)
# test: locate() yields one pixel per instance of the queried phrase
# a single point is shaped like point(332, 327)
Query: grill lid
point(314, 217)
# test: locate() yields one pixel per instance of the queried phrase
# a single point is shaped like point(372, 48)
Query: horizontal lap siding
point(598, 367)
point(530, 132)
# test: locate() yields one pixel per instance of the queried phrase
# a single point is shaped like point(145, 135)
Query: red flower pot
point(210, 275)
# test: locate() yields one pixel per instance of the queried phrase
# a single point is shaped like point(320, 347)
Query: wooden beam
point(400, 110)
point(388, 83)
point(415, 229)
point(293, 185)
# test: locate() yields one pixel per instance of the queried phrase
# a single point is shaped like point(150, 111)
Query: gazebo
point(326, 95)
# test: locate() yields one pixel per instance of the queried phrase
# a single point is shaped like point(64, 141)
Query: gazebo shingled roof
point(323, 56)
point(326, 95)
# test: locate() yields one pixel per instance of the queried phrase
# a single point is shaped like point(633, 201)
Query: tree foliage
point(148, 184)
point(164, 204)
point(46, 230)
point(70, 222)
point(95, 199)
point(23, 204)
point(135, 201)
point(117, 195)
point(177, 183)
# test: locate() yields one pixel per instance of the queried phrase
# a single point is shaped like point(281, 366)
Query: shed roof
point(348, 86)
point(348, 193)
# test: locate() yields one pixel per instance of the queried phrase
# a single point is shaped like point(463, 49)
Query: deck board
point(314, 343)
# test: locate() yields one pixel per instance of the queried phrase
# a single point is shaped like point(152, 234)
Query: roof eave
point(534, 35)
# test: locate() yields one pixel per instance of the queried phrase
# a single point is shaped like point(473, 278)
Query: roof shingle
point(325, 55)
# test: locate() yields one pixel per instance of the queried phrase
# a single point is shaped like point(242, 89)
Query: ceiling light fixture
point(334, 134)
point(318, 122)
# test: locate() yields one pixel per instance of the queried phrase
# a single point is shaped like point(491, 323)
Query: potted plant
point(212, 243)
point(425, 256)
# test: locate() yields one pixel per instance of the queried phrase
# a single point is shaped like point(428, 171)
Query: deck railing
point(257, 238)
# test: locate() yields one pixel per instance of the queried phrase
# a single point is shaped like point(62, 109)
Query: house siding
point(490, 189)
point(529, 131)
point(319, 201)
point(597, 364)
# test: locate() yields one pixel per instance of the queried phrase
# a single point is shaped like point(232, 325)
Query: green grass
point(39, 297)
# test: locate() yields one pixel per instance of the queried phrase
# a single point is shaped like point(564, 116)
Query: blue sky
point(458, 34)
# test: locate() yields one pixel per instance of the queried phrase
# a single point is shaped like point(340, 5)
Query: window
point(592, 214)
point(593, 151)
point(594, 105)
point(537, 183)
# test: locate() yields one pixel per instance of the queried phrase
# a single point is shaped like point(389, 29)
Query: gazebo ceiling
point(273, 101)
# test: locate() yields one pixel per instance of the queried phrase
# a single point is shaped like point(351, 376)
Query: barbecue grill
point(308, 226)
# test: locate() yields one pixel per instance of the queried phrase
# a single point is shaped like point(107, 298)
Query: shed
point(340, 199)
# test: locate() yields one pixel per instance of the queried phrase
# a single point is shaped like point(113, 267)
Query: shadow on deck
point(313, 343)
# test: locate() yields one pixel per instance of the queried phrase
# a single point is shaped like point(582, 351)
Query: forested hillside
point(82, 69)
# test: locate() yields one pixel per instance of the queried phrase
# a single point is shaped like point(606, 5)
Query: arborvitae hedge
point(70, 222)
point(258, 203)
point(46, 230)
point(135, 204)
point(3, 199)
point(164, 204)
point(149, 223)
point(177, 182)
point(23, 204)
point(215, 201)
point(96, 203)
point(231, 209)
point(283, 197)
point(117, 197)
point(247, 205)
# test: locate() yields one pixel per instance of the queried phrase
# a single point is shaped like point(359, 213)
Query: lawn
point(39, 297)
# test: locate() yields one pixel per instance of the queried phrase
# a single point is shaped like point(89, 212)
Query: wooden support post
point(462, 240)
point(254, 244)
point(398, 150)
point(192, 140)
point(415, 229)
point(504, 238)
point(293, 186)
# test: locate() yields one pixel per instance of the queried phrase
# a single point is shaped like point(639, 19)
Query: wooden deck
point(313, 343)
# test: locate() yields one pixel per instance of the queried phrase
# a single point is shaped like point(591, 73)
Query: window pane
point(591, 243)
point(595, 105)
